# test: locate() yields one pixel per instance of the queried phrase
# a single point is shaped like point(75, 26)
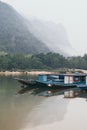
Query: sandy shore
point(16, 73)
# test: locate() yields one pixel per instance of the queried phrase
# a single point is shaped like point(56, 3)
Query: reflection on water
point(50, 110)
point(14, 108)
point(14, 111)
point(29, 112)
point(75, 117)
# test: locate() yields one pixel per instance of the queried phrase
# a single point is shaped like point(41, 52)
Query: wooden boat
point(26, 82)
point(55, 84)
point(63, 80)
point(57, 81)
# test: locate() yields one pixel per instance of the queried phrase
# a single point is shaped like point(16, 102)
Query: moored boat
point(56, 84)
point(63, 80)
point(57, 81)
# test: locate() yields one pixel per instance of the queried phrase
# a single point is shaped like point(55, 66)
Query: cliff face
point(53, 35)
point(15, 37)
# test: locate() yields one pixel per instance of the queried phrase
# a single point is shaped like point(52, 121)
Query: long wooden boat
point(57, 81)
point(56, 84)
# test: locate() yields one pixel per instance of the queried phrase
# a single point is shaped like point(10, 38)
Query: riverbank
point(16, 73)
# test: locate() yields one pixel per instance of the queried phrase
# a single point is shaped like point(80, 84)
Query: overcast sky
point(71, 13)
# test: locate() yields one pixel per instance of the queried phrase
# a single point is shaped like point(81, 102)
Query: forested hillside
point(41, 61)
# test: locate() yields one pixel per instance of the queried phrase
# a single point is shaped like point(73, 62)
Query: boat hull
point(55, 86)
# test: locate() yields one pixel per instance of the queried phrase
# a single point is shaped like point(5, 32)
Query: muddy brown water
point(29, 112)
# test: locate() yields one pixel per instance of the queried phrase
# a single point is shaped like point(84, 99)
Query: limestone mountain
point(15, 37)
point(53, 35)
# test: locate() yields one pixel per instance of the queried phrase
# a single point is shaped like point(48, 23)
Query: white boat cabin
point(75, 78)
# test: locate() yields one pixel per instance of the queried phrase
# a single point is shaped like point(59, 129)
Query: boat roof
point(67, 74)
point(75, 74)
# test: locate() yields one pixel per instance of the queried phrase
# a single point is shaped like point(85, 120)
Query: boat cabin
point(54, 78)
point(75, 78)
point(64, 78)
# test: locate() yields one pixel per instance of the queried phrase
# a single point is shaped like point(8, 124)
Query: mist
point(72, 14)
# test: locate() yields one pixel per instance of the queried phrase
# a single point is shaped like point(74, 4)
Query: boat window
point(79, 79)
point(76, 79)
point(83, 79)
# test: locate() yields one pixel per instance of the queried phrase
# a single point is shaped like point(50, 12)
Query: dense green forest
point(41, 61)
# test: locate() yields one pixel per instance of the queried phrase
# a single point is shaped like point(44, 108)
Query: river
point(33, 112)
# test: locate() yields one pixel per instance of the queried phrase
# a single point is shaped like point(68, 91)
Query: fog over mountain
point(53, 35)
point(15, 37)
point(19, 35)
